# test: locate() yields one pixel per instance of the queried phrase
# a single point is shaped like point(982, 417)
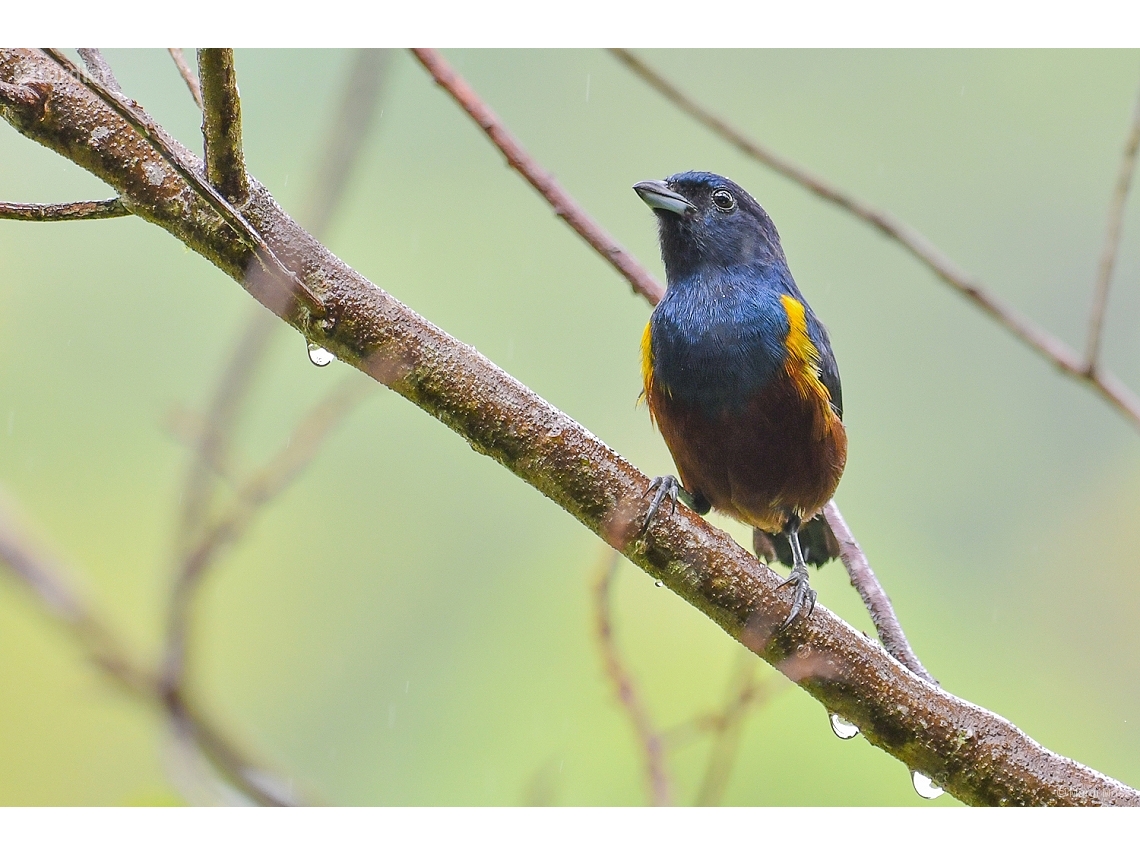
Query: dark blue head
point(706, 221)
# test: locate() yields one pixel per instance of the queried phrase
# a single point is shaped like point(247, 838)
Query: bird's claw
point(801, 594)
point(663, 487)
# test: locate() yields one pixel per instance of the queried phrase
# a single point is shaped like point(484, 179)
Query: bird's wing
point(828, 368)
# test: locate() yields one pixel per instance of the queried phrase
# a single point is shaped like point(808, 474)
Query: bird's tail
point(816, 539)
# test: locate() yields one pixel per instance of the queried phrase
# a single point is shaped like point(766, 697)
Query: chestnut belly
point(778, 455)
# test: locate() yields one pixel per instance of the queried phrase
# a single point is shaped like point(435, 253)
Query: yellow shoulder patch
point(646, 364)
point(802, 361)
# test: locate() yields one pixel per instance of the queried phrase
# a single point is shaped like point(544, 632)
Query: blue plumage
point(715, 344)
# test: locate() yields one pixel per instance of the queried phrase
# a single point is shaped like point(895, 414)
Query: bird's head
point(706, 221)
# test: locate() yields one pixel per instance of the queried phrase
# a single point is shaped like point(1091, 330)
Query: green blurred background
point(410, 624)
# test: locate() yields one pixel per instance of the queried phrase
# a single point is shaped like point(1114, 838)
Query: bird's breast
point(713, 348)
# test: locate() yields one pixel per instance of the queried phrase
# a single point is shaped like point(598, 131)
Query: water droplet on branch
point(924, 786)
point(319, 356)
point(842, 728)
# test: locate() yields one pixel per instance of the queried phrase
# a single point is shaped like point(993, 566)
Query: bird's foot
point(801, 594)
point(662, 487)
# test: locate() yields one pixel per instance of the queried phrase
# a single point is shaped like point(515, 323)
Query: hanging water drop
point(924, 786)
point(658, 584)
point(319, 356)
point(842, 728)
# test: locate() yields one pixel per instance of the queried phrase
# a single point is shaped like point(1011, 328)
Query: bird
point(740, 377)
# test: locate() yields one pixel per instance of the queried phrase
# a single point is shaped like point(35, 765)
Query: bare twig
point(746, 692)
point(221, 124)
point(187, 73)
point(563, 204)
point(344, 143)
point(972, 753)
point(878, 604)
point(741, 697)
point(278, 276)
point(257, 491)
point(213, 442)
point(648, 737)
point(250, 778)
point(63, 211)
point(99, 68)
point(1111, 241)
point(345, 137)
point(629, 267)
point(49, 582)
point(1063, 357)
point(199, 544)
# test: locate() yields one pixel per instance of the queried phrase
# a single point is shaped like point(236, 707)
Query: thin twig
point(213, 442)
point(652, 747)
point(518, 159)
point(746, 692)
point(221, 124)
point(47, 579)
point(344, 142)
point(198, 544)
point(878, 604)
point(345, 137)
point(187, 73)
point(99, 68)
point(63, 211)
point(45, 576)
point(1111, 247)
point(278, 274)
point(975, 755)
point(251, 778)
point(258, 490)
point(741, 698)
point(1063, 357)
point(629, 267)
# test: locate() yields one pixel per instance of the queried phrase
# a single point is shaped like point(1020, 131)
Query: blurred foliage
point(412, 625)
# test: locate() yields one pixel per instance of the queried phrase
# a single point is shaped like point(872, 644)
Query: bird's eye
point(723, 200)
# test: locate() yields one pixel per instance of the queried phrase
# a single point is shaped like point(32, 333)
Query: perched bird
point(740, 377)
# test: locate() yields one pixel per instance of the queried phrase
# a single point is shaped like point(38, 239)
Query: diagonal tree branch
point(1063, 357)
point(1111, 241)
point(63, 211)
point(188, 76)
point(221, 124)
point(886, 622)
point(974, 754)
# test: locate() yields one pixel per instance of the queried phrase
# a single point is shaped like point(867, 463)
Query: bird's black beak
point(657, 195)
